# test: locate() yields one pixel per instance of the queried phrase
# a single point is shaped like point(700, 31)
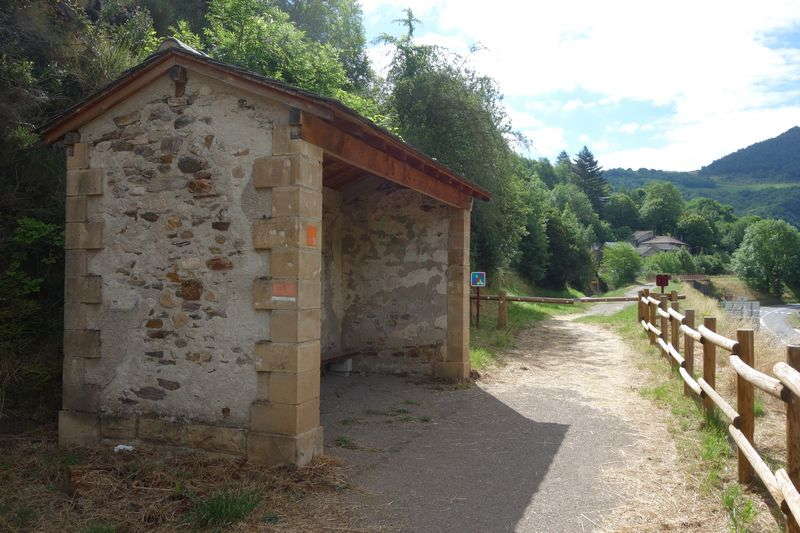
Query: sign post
point(477, 280)
point(662, 280)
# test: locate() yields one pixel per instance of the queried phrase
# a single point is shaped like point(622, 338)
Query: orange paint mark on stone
point(285, 288)
point(311, 235)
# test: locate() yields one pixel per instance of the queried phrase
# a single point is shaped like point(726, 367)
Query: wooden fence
point(502, 300)
point(660, 316)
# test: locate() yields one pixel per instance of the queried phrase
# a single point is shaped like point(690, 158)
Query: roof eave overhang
point(321, 121)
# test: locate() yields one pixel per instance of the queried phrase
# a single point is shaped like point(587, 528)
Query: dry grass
point(770, 434)
point(45, 488)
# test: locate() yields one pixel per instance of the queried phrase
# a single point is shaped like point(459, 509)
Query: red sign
point(662, 280)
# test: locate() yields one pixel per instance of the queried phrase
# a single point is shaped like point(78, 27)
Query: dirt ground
point(557, 438)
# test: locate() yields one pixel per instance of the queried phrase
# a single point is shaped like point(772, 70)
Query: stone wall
point(159, 235)
point(392, 293)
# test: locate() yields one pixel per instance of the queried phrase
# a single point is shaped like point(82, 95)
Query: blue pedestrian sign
point(477, 279)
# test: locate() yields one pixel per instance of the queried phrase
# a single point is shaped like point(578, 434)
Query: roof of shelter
point(664, 239)
point(325, 122)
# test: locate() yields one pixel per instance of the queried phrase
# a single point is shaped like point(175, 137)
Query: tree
point(620, 264)
point(589, 177)
point(569, 255)
point(620, 211)
point(456, 116)
point(338, 23)
point(711, 210)
point(261, 38)
point(674, 262)
point(768, 259)
point(534, 253)
point(697, 232)
point(662, 206)
point(563, 168)
point(733, 233)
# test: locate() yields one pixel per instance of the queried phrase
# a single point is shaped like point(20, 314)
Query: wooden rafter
point(360, 154)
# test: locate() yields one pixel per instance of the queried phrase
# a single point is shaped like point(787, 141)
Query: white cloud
point(709, 61)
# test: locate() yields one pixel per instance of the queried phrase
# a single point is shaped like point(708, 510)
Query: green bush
point(620, 264)
point(675, 262)
point(769, 258)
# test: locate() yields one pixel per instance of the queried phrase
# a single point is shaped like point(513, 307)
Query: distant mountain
point(775, 159)
point(762, 179)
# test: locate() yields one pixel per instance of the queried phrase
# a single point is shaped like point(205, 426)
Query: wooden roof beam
point(360, 154)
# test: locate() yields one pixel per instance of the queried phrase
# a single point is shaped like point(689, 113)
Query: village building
point(227, 236)
point(647, 243)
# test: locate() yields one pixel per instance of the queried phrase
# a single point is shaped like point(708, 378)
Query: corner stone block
point(86, 181)
point(286, 170)
point(295, 325)
point(216, 438)
point(295, 263)
point(296, 201)
point(75, 209)
point(82, 343)
point(279, 232)
point(452, 371)
point(286, 294)
point(91, 289)
point(80, 316)
point(74, 263)
point(83, 236)
point(78, 429)
point(286, 419)
point(281, 135)
point(289, 387)
point(273, 450)
point(287, 357)
point(117, 427)
point(78, 156)
point(159, 430)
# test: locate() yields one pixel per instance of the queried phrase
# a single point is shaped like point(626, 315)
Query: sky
point(644, 84)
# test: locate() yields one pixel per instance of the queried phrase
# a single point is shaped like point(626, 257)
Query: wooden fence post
point(688, 350)
point(651, 318)
point(664, 326)
point(709, 362)
point(639, 313)
point(502, 311)
point(793, 435)
point(744, 401)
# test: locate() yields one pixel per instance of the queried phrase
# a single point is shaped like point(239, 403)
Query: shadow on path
point(430, 458)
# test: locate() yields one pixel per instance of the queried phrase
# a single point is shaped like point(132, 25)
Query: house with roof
point(647, 243)
point(229, 235)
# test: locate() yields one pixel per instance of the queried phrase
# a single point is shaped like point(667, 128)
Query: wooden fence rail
point(662, 320)
point(502, 300)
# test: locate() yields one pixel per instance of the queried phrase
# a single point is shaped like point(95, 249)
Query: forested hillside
point(762, 179)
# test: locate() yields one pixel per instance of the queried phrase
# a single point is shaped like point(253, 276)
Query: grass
point(702, 440)
point(345, 442)
point(223, 508)
point(487, 343)
point(45, 488)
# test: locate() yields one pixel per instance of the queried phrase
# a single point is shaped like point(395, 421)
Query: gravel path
point(556, 439)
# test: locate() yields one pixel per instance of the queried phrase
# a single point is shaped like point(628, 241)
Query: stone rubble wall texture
point(385, 283)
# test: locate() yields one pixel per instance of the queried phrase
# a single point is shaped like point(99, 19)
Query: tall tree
point(769, 258)
point(662, 206)
point(590, 178)
point(338, 23)
point(456, 116)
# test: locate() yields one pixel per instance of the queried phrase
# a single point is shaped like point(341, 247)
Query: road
point(775, 318)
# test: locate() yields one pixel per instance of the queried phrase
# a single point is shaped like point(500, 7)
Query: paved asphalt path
point(775, 318)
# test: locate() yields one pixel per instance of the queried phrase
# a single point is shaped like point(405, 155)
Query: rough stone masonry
point(209, 274)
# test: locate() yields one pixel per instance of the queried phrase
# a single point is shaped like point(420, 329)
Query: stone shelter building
point(227, 235)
